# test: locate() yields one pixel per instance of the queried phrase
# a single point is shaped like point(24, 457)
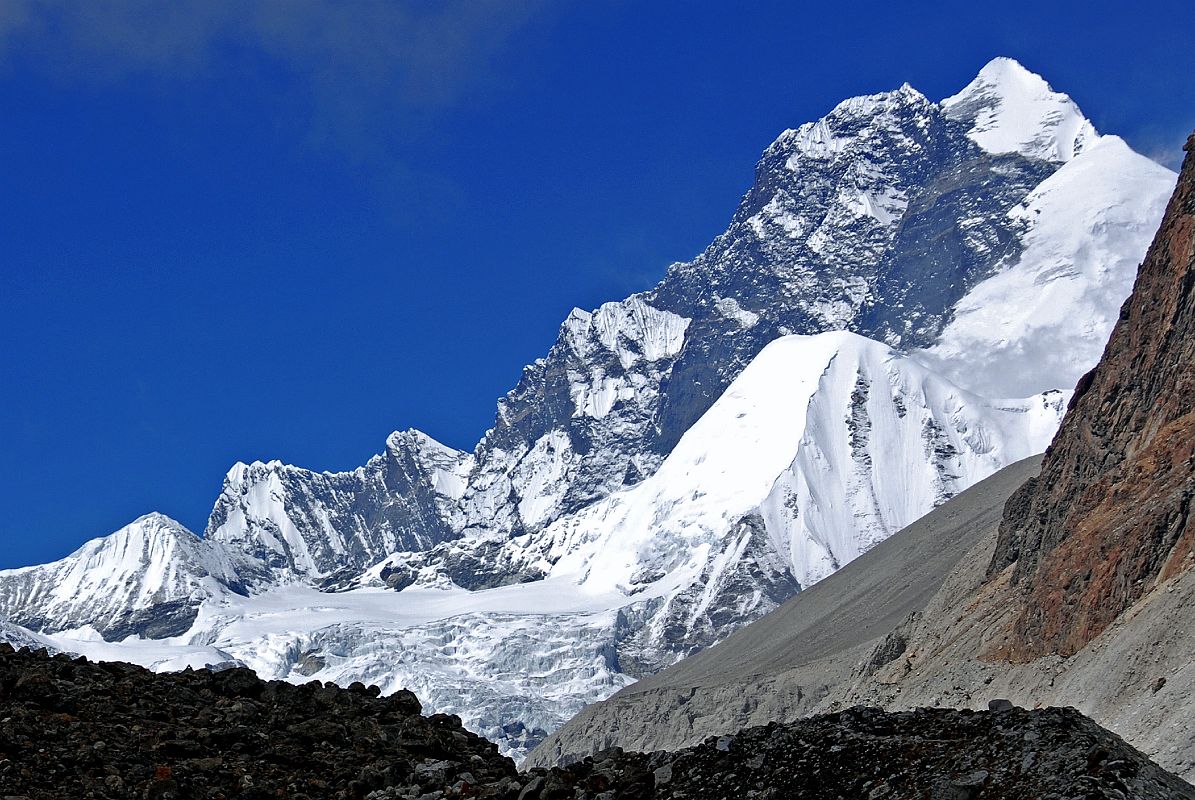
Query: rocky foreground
point(72, 728)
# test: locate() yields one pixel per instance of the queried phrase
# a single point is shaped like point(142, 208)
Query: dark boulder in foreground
point(72, 728)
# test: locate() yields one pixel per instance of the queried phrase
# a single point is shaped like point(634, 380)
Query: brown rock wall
point(1110, 514)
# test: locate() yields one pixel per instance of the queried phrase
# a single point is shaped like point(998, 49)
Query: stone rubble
point(72, 728)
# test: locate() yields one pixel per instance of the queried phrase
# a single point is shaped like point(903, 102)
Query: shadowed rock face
point(1110, 515)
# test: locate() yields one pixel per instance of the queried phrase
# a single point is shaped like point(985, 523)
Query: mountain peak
point(158, 520)
point(1011, 109)
point(416, 440)
point(1003, 68)
point(874, 104)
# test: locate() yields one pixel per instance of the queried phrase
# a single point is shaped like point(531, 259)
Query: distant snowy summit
point(148, 578)
point(680, 462)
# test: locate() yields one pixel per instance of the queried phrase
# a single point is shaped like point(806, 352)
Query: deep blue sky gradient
point(233, 250)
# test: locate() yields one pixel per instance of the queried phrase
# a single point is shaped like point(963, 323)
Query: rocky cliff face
point(574, 429)
point(884, 218)
point(1110, 514)
point(285, 524)
point(859, 222)
point(876, 219)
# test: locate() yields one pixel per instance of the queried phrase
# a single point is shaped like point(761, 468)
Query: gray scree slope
point(898, 628)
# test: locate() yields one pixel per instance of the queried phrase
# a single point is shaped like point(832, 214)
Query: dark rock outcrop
point(83, 730)
point(935, 754)
point(1110, 514)
point(77, 729)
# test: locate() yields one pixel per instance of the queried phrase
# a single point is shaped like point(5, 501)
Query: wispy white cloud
point(354, 60)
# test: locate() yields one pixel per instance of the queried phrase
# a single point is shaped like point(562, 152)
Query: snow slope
point(822, 447)
point(1012, 110)
point(1042, 320)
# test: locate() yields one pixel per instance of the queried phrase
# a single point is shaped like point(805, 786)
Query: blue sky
point(235, 231)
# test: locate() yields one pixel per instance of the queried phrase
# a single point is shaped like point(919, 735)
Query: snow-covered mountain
point(886, 218)
point(148, 578)
point(823, 446)
point(681, 461)
point(287, 524)
point(1008, 109)
point(1045, 315)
